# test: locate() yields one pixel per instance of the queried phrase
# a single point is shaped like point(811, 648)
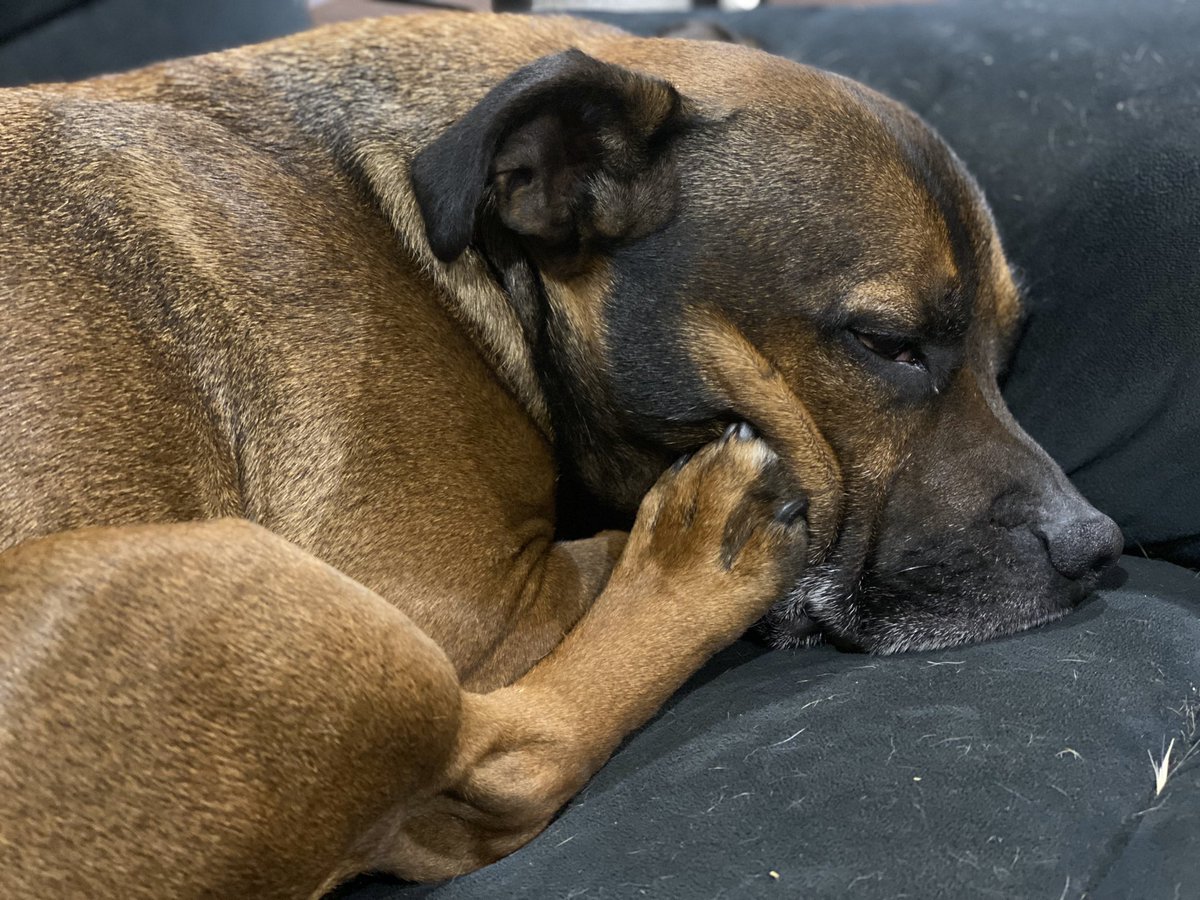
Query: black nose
point(1081, 544)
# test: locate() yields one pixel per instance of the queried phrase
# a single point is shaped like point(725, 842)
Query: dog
point(313, 353)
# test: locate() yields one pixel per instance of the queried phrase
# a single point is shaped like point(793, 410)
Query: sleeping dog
point(305, 348)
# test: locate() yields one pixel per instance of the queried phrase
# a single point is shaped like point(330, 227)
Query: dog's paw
point(726, 527)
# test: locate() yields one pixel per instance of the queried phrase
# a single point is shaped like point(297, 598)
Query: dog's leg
point(206, 710)
point(203, 710)
point(558, 589)
point(714, 543)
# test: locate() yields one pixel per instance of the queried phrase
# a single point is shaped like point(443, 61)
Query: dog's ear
point(567, 152)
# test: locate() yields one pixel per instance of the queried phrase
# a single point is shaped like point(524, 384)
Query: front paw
point(725, 528)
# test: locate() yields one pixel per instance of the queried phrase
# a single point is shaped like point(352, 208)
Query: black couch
point(61, 40)
point(1018, 768)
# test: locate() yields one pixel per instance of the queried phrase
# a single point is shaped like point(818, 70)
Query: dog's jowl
point(300, 345)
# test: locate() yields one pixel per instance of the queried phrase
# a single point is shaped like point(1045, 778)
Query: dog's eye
point(890, 348)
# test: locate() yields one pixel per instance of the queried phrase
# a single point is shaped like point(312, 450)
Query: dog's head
point(638, 220)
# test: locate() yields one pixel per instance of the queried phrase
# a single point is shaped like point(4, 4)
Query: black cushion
point(25, 15)
point(60, 40)
point(1000, 770)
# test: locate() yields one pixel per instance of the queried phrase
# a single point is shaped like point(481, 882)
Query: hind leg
point(203, 710)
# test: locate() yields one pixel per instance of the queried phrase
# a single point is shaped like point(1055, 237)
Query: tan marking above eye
point(890, 296)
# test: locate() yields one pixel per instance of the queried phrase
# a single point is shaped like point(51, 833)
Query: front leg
point(716, 541)
point(561, 586)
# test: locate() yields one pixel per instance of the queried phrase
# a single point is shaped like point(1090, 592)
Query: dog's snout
point(1080, 543)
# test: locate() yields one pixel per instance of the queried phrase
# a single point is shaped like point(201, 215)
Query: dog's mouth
point(790, 623)
point(826, 607)
point(801, 630)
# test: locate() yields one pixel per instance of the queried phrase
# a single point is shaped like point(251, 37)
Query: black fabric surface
point(1081, 120)
point(21, 15)
point(1000, 770)
point(58, 40)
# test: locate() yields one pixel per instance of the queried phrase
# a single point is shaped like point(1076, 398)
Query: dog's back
point(193, 325)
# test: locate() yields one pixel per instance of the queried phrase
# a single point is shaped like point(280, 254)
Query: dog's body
point(374, 292)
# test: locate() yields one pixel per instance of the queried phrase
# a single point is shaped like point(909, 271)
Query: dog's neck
point(538, 328)
point(561, 318)
point(472, 289)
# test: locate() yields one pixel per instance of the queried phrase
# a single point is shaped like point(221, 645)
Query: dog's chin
point(889, 638)
point(822, 608)
point(788, 625)
point(790, 632)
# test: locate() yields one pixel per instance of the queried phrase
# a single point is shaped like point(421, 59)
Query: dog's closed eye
point(890, 347)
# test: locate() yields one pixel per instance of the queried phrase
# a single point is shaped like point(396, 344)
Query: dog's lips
point(809, 616)
point(794, 630)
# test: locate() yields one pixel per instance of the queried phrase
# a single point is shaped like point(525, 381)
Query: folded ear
point(566, 152)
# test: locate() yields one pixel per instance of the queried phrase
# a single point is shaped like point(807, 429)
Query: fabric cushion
point(1081, 120)
point(44, 40)
point(1016, 768)
point(21, 15)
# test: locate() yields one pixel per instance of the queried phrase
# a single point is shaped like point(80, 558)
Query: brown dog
point(390, 291)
